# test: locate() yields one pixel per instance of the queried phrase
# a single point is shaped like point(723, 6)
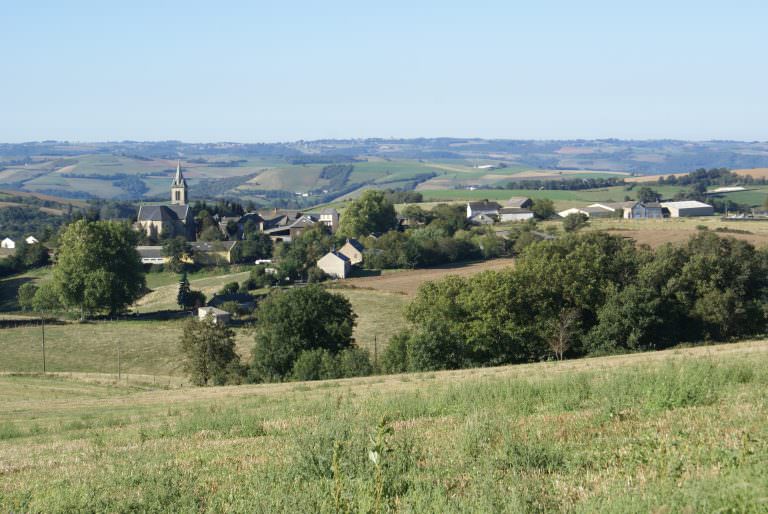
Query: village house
point(203, 252)
point(353, 250)
point(174, 219)
point(31, 240)
point(484, 207)
point(329, 218)
point(335, 265)
point(287, 231)
point(8, 243)
point(643, 210)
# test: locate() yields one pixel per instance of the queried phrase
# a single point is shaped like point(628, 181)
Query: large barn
point(688, 208)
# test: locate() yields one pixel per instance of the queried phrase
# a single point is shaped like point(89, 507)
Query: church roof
point(163, 212)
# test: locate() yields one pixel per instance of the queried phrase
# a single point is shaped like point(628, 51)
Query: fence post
point(118, 362)
point(42, 326)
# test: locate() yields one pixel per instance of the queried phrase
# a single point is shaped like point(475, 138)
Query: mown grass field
point(678, 230)
point(675, 431)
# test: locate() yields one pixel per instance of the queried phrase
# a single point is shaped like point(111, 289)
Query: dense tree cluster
point(293, 322)
point(97, 267)
point(372, 213)
point(587, 293)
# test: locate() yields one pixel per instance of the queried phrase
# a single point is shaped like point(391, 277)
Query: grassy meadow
point(675, 431)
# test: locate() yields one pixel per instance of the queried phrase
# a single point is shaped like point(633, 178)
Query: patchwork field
point(676, 431)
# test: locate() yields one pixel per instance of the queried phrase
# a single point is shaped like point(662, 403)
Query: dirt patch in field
point(407, 282)
point(753, 172)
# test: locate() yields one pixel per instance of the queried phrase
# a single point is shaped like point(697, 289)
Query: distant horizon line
point(376, 138)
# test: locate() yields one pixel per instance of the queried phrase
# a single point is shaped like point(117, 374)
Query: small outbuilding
point(335, 265)
point(688, 208)
point(31, 240)
point(8, 243)
point(218, 316)
point(514, 214)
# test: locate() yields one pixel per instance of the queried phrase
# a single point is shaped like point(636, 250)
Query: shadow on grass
point(9, 289)
point(359, 273)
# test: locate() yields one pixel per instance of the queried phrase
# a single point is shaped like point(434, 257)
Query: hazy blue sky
point(286, 70)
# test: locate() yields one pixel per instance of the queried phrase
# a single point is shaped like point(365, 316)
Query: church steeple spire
point(179, 187)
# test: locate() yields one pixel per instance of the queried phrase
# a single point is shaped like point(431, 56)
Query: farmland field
point(678, 230)
point(406, 282)
point(675, 431)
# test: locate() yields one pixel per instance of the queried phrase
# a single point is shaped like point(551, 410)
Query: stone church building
point(174, 219)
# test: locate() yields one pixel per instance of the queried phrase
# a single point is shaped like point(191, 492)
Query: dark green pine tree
point(184, 297)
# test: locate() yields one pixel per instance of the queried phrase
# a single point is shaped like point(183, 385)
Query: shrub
point(354, 362)
point(26, 296)
point(229, 288)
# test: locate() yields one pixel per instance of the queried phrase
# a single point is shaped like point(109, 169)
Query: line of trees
point(587, 294)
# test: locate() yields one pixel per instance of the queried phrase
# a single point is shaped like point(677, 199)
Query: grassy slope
point(675, 431)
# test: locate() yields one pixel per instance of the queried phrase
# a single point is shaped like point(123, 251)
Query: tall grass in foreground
point(679, 437)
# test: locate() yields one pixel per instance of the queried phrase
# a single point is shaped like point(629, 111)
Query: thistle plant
point(377, 455)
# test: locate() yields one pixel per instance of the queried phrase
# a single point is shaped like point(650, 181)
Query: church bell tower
point(179, 187)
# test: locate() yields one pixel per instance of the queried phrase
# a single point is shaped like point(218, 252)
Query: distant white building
point(8, 243)
point(31, 240)
point(688, 208)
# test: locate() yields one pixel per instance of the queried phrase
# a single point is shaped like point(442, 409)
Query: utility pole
point(42, 326)
point(375, 353)
point(118, 362)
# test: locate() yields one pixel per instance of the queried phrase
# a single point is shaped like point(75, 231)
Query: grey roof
point(484, 205)
point(518, 201)
point(150, 252)
point(329, 211)
point(251, 216)
point(212, 246)
point(163, 212)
